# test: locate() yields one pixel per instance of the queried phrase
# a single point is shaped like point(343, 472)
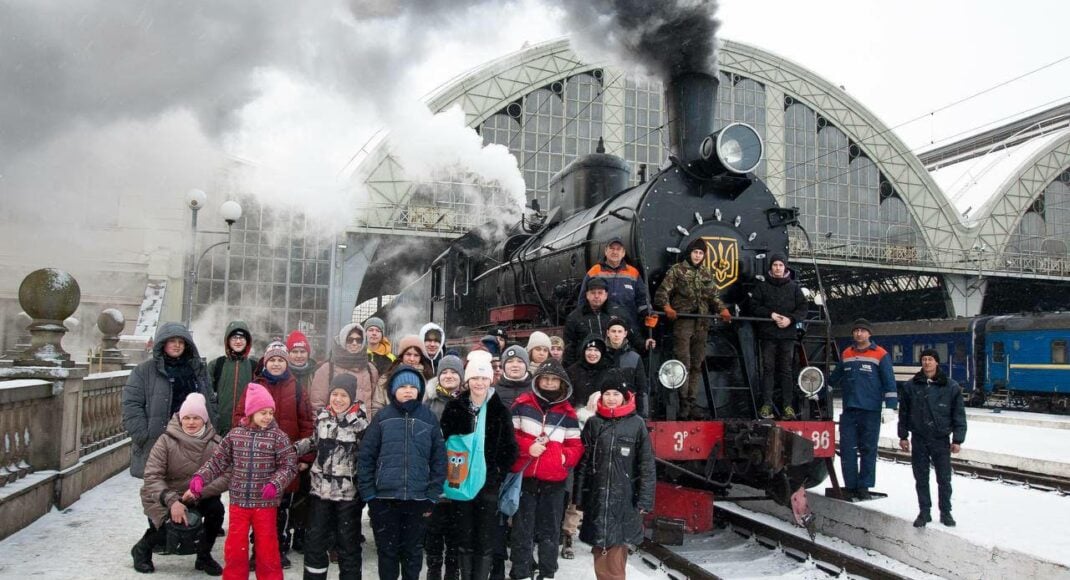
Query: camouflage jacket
point(689, 289)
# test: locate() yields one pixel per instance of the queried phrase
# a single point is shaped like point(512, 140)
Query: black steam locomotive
point(530, 278)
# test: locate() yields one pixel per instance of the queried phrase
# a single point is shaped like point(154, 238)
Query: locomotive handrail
point(742, 318)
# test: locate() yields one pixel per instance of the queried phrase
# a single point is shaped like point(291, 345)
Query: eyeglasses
point(354, 340)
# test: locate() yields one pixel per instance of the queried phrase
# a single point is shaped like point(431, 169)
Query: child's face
point(592, 354)
point(478, 386)
point(299, 356)
point(539, 354)
point(515, 368)
point(406, 393)
point(550, 383)
point(340, 401)
point(612, 399)
point(276, 365)
point(411, 357)
point(449, 379)
point(558, 352)
point(237, 343)
point(432, 345)
point(264, 417)
point(616, 335)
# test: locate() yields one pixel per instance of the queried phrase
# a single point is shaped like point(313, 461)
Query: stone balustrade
point(102, 411)
point(20, 402)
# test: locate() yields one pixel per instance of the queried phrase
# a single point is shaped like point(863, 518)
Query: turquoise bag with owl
point(466, 468)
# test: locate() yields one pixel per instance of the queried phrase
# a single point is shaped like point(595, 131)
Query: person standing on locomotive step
point(688, 288)
point(515, 379)
point(232, 371)
point(622, 356)
point(625, 284)
point(548, 436)
point(262, 462)
point(440, 541)
point(401, 468)
point(434, 342)
point(476, 520)
point(187, 444)
point(592, 317)
point(379, 348)
point(538, 350)
point(932, 413)
point(615, 479)
point(156, 388)
point(411, 353)
point(347, 356)
point(334, 510)
point(780, 299)
point(866, 379)
point(294, 417)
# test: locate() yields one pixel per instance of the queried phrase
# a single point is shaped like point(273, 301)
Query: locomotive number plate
point(685, 440)
point(821, 433)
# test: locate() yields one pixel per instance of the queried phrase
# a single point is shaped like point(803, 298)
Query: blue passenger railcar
point(1029, 354)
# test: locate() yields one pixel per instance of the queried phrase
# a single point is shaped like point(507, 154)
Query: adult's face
point(860, 335)
point(237, 343)
point(778, 269)
point(515, 369)
point(696, 256)
point(539, 354)
point(928, 365)
point(174, 347)
point(616, 335)
point(432, 346)
point(299, 356)
point(614, 254)
point(597, 297)
point(375, 335)
point(411, 357)
point(191, 424)
point(354, 341)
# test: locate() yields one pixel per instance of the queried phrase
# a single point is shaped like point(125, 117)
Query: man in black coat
point(780, 299)
point(591, 318)
point(931, 411)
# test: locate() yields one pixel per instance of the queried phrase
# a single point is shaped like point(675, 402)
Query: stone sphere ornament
point(111, 322)
point(49, 294)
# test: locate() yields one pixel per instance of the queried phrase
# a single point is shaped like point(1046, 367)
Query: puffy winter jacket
point(149, 400)
point(499, 445)
point(615, 479)
point(625, 286)
point(783, 296)
point(584, 321)
point(256, 457)
point(402, 455)
point(335, 441)
point(509, 389)
point(631, 364)
point(867, 378)
point(230, 374)
point(174, 459)
point(294, 417)
point(932, 408)
point(689, 289)
point(534, 417)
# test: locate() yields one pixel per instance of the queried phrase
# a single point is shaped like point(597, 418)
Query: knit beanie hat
point(480, 355)
point(597, 342)
point(478, 368)
point(257, 398)
point(863, 324)
point(929, 352)
point(557, 341)
point(347, 383)
point(276, 349)
point(516, 351)
point(614, 380)
point(195, 406)
point(453, 362)
point(406, 375)
point(297, 339)
point(696, 244)
point(538, 338)
point(376, 322)
point(778, 257)
point(616, 321)
point(490, 342)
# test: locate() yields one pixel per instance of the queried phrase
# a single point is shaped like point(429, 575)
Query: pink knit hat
point(194, 405)
point(257, 398)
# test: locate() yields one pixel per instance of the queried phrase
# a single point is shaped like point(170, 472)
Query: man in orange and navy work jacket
point(867, 380)
point(624, 283)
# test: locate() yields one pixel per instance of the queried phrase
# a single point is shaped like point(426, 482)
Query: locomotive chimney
point(690, 103)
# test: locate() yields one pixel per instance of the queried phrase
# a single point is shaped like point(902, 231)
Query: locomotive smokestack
point(690, 104)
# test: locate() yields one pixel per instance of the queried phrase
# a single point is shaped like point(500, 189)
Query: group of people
point(422, 438)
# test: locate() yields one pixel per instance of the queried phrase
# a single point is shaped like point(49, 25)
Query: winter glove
point(196, 485)
point(726, 316)
point(670, 312)
point(269, 492)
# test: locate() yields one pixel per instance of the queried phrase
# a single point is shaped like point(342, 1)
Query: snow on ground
point(92, 540)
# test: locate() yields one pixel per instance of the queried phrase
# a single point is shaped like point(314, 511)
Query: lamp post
point(231, 212)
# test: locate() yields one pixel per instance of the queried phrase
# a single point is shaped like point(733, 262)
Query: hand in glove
point(269, 492)
point(726, 316)
point(670, 312)
point(196, 485)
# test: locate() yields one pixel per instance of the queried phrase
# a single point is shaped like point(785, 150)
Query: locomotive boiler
point(529, 279)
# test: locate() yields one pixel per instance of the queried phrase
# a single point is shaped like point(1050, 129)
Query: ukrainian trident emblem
point(722, 258)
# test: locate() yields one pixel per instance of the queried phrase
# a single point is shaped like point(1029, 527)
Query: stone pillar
point(111, 323)
point(965, 294)
point(55, 431)
point(48, 296)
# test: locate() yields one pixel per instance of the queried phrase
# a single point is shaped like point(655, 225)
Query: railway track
point(1038, 481)
point(737, 532)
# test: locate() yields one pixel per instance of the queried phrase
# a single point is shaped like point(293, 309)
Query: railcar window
point(438, 283)
point(941, 349)
point(1058, 352)
point(960, 351)
point(897, 353)
point(997, 352)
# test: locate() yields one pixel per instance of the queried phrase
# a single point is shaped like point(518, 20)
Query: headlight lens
point(737, 147)
point(672, 374)
point(811, 381)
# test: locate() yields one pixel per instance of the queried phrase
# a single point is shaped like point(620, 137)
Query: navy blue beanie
point(402, 378)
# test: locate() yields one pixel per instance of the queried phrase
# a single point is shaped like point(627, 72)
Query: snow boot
point(207, 564)
point(286, 564)
point(947, 520)
point(453, 569)
point(788, 414)
point(566, 547)
point(434, 570)
point(142, 553)
point(922, 519)
point(766, 412)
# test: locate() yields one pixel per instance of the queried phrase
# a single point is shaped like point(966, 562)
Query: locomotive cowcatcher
point(529, 278)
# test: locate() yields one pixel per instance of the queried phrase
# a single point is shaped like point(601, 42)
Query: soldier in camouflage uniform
point(688, 288)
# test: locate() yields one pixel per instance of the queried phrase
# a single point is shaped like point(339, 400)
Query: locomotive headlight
point(672, 374)
point(811, 381)
point(737, 148)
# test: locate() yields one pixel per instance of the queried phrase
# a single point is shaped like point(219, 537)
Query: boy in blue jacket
point(867, 380)
point(401, 469)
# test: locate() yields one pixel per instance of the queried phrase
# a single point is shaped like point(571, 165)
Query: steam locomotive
point(529, 280)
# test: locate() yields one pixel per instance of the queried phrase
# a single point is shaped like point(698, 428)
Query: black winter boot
point(464, 562)
point(922, 519)
point(434, 569)
point(497, 569)
point(142, 553)
point(453, 570)
point(947, 520)
point(481, 567)
point(207, 564)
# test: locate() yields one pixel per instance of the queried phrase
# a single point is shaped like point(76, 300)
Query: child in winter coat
point(335, 506)
point(615, 478)
point(400, 470)
point(263, 463)
point(548, 436)
point(187, 443)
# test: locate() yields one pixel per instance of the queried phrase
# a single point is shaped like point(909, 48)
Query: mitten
point(196, 485)
point(269, 492)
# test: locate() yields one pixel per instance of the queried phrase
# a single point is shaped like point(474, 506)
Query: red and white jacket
point(563, 445)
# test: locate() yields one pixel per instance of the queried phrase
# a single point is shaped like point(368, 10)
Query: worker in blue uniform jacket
point(866, 380)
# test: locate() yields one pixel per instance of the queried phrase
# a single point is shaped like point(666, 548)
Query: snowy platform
point(92, 539)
